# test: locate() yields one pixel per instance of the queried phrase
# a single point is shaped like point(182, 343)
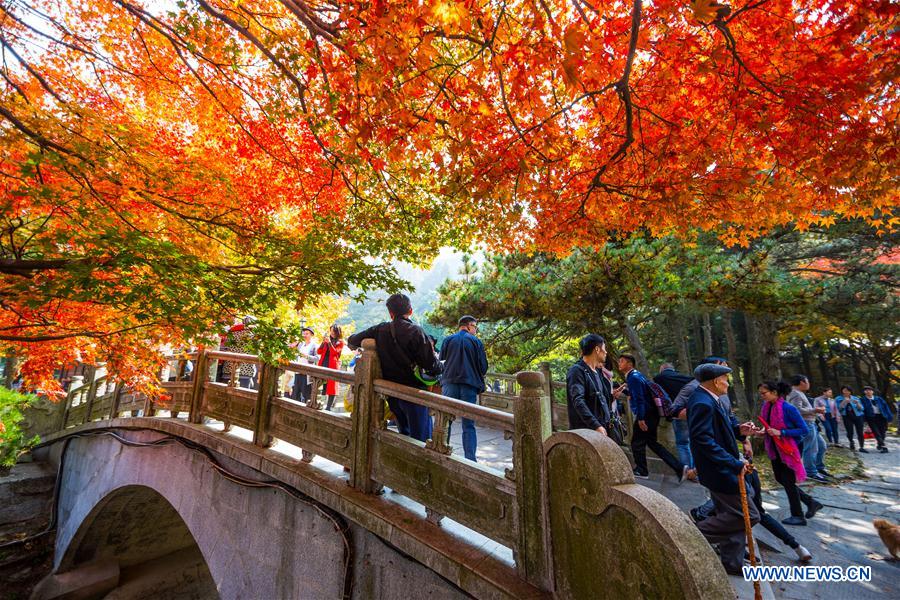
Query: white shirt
point(875, 409)
point(307, 352)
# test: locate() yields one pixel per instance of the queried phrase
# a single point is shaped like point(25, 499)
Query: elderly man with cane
point(714, 433)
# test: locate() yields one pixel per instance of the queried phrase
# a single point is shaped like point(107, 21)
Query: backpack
point(661, 399)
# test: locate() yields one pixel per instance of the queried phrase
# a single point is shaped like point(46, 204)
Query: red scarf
point(784, 447)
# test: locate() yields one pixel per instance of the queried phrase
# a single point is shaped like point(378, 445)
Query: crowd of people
point(714, 448)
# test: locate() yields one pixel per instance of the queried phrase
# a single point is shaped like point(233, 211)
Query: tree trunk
point(804, 359)
point(857, 369)
point(731, 345)
point(835, 372)
point(9, 370)
point(707, 335)
point(762, 339)
point(697, 334)
point(823, 370)
point(634, 341)
point(680, 338)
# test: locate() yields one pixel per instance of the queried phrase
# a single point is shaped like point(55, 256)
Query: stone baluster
point(532, 427)
point(74, 385)
point(367, 417)
point(201, 376)
point(233, 381)
point(544, 369)
point(117, 397)
point(91, 393)
point(268, 383)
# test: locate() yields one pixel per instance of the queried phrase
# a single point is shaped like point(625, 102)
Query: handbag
point(616, 430)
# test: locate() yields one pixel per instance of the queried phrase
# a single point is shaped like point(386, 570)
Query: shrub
point(13, 442)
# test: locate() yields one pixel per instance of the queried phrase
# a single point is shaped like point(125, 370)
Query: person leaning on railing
point(402, 346)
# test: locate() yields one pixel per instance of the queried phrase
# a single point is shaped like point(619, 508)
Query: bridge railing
point(503, 389)
point(567, 495)
point(504, 506)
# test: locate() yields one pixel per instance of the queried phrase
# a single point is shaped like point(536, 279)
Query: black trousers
point(302, 391)
point(788, 480)
point(765, 519)
point(878, 425)
point(641, 440)
point(726, 527)
point(851, 422)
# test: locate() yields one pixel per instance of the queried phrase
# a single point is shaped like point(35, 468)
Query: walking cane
point(748, 527)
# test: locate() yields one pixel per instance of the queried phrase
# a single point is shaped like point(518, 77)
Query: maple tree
point(166, 165)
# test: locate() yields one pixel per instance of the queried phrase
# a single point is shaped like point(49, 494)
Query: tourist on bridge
point(785, 432)
point(877, 414)
point(853, 410)
point(588, 391)
point(465, 365)
point(238, 339)
point(673, 382)
point(813, 445)
point(714, 433)
point(646, 421)
point(306, 354)
point(829, 415)
point(402, 346)
point(329, 352)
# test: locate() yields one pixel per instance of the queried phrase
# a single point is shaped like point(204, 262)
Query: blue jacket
point(794, 425)
point(848, 408)
point(464, 360)
point(882, 406)
point(714, 434)
point(641, 398)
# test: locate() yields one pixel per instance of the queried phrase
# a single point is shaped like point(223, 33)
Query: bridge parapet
point(537, 508)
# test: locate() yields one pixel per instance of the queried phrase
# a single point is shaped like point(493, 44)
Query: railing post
point(268, 382)
point(91, 394)
point(70, 396)
point(117, 397)
point(367, 417)
point(544, 368)
point(532, 423)
point(201, 376)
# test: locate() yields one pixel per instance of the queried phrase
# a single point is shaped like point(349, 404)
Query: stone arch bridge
point(201, 503)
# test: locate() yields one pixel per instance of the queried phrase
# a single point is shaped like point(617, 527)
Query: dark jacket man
point(672, 381)
point(587, 397)
point(464, 360)
point(398, 359)
point(714, 435)
point(883, 407)
point(402, 346)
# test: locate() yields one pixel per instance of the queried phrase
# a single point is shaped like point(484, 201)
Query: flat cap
point(707, 372)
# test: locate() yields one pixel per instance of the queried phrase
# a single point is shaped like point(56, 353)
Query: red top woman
point(329, 352)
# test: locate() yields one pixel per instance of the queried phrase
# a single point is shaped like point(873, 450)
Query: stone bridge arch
point(218, 537)
point(139, 533)
point(140, 503)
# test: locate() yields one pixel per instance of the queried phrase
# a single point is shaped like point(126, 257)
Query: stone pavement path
point(840, 535)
